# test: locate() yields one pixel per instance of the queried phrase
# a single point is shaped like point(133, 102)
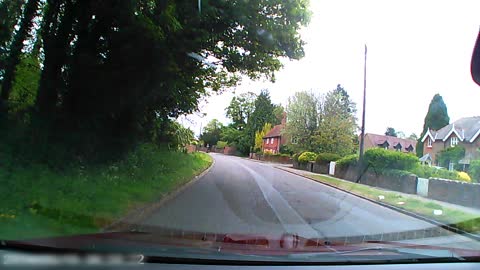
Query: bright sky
point(415, 49)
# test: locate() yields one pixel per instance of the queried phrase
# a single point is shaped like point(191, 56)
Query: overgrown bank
point(39, 201)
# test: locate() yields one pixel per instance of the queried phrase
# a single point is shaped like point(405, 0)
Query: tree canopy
point(391, 132)
point(337, 127)
point(212, 132)
point(124, 68)
point(436, 118)
point(322, 124)
point(302, 120)
point(240, 109)
point(262, 114)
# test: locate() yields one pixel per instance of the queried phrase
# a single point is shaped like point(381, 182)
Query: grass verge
point(41, 202)
point(460, 219)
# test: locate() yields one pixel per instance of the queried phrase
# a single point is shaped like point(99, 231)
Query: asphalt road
point(243, 196)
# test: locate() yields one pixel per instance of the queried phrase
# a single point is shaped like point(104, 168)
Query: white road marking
point(291, 221)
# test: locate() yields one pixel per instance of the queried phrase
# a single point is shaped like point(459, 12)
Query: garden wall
point(456, 192)
point(272, 158)
point(451, 191)
point(404, 183)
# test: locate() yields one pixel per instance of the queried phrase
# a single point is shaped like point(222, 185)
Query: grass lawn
point(39, 202)
point(466, 221)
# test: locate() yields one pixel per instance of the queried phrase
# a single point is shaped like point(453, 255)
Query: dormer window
point(398, 147)
point(429, 142)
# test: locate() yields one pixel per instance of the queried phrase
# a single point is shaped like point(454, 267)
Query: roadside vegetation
point(90, 93)
point(463, 220)
point(42, 201)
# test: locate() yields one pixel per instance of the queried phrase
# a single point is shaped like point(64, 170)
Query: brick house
point(274, 139)
point(389, 143)
point(464, 132)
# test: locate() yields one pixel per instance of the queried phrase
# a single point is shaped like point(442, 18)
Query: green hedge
point(323, 158)
point(432, 172)
point(306, 157)
point(381, 159)
point(347, 161)
point(221, 144)
point(295, 157)
point(276, 155)
point(396, 173)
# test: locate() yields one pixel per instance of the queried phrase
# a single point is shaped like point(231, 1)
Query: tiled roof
point(276, 131)
point(466, 128)
point(376, 139)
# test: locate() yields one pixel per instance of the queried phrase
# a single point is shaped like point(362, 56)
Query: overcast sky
point(415, 50)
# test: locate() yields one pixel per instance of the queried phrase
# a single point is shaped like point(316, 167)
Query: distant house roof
point(466, 129)
point(276, 131)
point(381, 140)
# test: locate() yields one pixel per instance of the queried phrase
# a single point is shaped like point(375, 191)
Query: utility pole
point(362, 134)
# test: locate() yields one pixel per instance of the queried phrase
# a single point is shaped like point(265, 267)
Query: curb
point(134, 217)
point(403, 211)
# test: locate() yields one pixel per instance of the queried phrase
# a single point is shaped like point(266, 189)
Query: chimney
point(284, 118)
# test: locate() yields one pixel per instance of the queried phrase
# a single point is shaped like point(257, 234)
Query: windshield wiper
point(414, 253)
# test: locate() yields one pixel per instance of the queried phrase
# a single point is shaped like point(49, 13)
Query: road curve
point(242, 196)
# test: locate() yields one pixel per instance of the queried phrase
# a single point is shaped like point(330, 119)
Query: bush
point(432, 172)
point(474, 170)
point(295, 157)
point(268, 152)
point(396, 173)
point(347, 161)
point(284, 149)
point(221, 144)
point(463, 176)
point(281, 155)
point(381, 159)
point(451, 154)
point(306, 157)
point(325, 158)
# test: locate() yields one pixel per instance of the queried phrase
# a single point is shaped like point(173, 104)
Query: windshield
point(275, 130)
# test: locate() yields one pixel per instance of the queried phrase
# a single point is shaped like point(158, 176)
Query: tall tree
point(212, 132)
point(56, 40)
point(240, 109)
point(401, 134)
point(436, 118)
point(302, 120)
point(413, 136)
point(279, 112)
point(337, 126)
point(262, 114)
point(26, 23)
point(10, 12)
point(121, 64)
point(391, 132)
point(343, 101)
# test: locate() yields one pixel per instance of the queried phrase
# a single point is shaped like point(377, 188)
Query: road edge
point(403, 211)
point(135, 216)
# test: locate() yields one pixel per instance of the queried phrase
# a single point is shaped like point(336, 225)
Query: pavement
point(243, 196)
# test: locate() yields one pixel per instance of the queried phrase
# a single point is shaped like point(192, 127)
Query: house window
point(453, 141)
point(267, 140)
point(429, 142)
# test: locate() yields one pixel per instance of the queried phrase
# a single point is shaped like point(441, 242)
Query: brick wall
point(405, 184)
point(456, 192)
point(271, 146)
